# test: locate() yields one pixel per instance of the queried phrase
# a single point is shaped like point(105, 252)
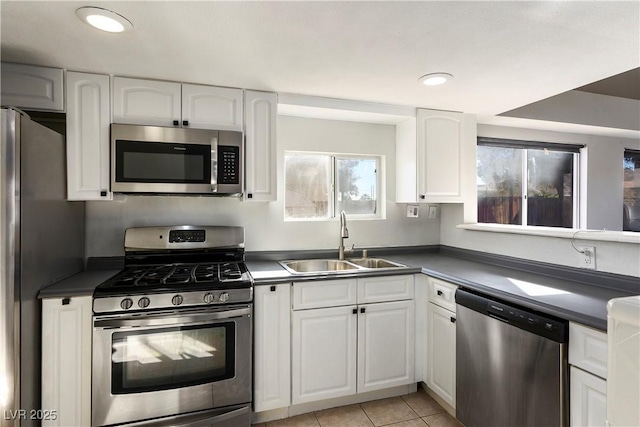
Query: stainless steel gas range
point(172, 331)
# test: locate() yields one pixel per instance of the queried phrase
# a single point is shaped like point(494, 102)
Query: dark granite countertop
point(566, 297)
point(80, 284)
point(573, 294)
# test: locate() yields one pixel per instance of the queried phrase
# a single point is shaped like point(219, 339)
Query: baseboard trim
point(303, 408)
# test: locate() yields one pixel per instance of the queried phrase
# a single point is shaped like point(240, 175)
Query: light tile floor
point(413, 410)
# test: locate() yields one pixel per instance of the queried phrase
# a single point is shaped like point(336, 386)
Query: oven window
point(172, 357)
point(158, 162)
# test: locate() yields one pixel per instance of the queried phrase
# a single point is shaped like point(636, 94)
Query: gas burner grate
point(155, 276)
point(230, 271)
point(179, 275)
point(206, 273)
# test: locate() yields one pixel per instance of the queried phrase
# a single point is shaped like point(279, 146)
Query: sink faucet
point(344, 234)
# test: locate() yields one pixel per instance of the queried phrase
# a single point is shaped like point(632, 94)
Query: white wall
point(265, 228)
point(604, 209)
point(611, 257)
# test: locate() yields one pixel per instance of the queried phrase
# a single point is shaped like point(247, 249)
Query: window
point(631, 191)
point(527, 183)
point(320, 186)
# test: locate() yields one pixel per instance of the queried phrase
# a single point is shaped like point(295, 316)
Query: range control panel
point(187, 236)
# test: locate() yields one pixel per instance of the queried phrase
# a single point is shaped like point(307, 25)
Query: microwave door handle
point(214, 164)
point(171, 319)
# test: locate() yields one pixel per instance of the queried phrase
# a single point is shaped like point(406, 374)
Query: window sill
point(565, 233)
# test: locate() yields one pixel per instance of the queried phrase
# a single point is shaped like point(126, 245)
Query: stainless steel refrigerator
point(42, 241)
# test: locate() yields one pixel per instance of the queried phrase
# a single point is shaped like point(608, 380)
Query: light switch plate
point(412, 211)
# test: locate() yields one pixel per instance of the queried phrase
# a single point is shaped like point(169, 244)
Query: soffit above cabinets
point(503, 55)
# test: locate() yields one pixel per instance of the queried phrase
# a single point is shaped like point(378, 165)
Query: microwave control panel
point(229, 165)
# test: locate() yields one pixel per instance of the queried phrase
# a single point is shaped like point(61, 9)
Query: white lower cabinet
point(66, 365)
point(588, 399)
point(272, 341)
point(354, 347)
point(441, 363)
point(440, 360)
point(323, 353)
point(588, 376)
point(385, 345)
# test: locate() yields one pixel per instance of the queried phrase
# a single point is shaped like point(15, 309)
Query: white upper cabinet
point(260, 155)
point(146, 102)
point(88, 137)
point(211, 107)
point(32, 88)
point(437, 162)
point(159, 103)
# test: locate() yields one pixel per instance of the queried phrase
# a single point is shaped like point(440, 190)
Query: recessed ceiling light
point(434, 79)
point(104, 19)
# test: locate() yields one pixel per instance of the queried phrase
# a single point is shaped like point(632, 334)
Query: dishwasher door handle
point(497, 317)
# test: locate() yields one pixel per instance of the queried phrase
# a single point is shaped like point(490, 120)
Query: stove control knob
point(209, 298)
point(176, 300)
point(223, 297)
point(126, 303)
point(144, 302)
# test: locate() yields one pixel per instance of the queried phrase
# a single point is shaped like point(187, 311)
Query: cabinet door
point(146, 102)
point(323, 354)
point(441, 357)
point(272, 341)
point(211, 107)
point(260, 154)
point(446, 144)
point(88, 137)
point(32, 88)
point(588, 399)
point(66, 367)
point(385, 345)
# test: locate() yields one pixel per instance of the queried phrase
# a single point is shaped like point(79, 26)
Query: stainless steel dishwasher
point(511, 365)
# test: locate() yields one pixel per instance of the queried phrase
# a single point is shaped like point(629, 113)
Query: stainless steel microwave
point(148, 159)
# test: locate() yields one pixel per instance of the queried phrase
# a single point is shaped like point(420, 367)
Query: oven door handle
point(214, 164)
point(182, 319)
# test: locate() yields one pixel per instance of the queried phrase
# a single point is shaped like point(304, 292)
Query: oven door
point(153, 365)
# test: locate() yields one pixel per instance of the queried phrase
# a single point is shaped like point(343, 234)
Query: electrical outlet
point(433, 212)
point(412, 211)
point(588, 257)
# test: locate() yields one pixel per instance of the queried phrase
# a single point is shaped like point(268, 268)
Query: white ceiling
point(503, 55)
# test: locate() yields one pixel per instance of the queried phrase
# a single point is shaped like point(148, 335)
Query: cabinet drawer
point(325, 293)
point(588, 349)
point(387, 288)
point(442, 293)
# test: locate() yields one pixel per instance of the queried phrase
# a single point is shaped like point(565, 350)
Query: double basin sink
point(352, 265)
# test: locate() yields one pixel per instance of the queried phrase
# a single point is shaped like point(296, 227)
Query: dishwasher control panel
point(541, 324)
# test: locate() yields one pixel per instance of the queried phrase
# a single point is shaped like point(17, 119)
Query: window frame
point(333, 183)
point(524, 146)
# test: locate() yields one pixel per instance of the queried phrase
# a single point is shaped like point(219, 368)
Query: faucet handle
point(364, 253)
